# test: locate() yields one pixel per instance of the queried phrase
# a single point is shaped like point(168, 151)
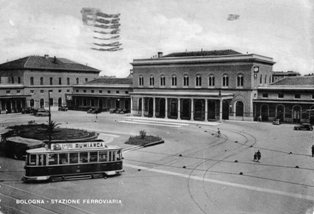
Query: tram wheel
point(97, 175)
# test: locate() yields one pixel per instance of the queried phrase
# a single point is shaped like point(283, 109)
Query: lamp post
point(49, 122)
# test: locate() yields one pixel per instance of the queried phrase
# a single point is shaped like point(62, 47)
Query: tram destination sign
point(81, 145)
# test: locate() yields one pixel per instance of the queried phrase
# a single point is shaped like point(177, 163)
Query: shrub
point(142, 134)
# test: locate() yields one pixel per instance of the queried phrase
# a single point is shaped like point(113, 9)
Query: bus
point(69, 161)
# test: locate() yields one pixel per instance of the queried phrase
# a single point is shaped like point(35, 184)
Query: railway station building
point(202, 86)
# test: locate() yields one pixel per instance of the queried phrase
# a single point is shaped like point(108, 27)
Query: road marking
point(258, 189)
point(151, 124)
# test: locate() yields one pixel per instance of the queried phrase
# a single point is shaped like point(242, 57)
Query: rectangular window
point(93, 157)
point(86, 79)
point(51, 101)
point(32, 81)
point(32, 160)
point(92, 91)
point(312, 96)
point(52, 159)
point(51, 81)
point(19, 80)
point(18, 91)
point(84, 91)
point(68, 90)
point(186, 81)
point(32, 91)
point(126, 92)
point(297, 96)
point(60, 91)
point(280, 95)
point(8, 91)
point(68, 81)
point(117, 92)
point(109, 92)
point(102, 156)
point(63, 158)
point(41, 91)
point(100, 91)
point(77, 90)
point(83, 157)
point(73, 157)
point(60, 81)
point(265, 95)
point(41, 80)
point(50, 90)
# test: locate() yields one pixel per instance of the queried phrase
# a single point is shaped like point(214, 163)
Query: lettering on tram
point(66, 161)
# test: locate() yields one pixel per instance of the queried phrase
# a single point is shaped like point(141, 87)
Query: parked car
point(276, 122)
point(41, 112)
point(94, 110)
point(27, 110)
point(304, 126)
point(62, 108)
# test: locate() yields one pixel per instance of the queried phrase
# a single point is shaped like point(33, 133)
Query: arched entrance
point(264, 112)
point(239, 109)
point(296, 114)
point(225, 110)
point(280, 110)
point(186, 109)
point(59, 101)
point(42, 103)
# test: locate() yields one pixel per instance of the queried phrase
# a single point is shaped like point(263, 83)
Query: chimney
point(159, 54)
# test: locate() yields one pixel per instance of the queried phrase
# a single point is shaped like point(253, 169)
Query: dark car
point(94, 110)
point(27, 110)
point(62, 108)
point(41, 112)
point(304, 126)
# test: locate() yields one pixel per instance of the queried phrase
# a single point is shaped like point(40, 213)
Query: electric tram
point(68, 161)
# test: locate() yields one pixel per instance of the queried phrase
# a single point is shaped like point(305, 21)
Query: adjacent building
point(103, 93)
point(27, 81)
point(278, 75)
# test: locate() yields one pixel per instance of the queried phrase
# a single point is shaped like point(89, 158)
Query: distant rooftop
point(286, 73)
point(110, 81)
point(47, 63)
point(203, 53)
point(297, 80)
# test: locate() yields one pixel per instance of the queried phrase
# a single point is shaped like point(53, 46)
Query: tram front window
point(52, 159)
point(32, 160)
point(63, 158)
point(102, 156)
point(73, 157)
point(42, 160)
point(83, 157)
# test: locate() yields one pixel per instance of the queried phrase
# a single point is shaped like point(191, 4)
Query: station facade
point(202, 86)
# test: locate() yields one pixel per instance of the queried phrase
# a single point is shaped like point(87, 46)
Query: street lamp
point(49, 122)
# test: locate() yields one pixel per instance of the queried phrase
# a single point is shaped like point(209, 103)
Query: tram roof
point(28, 141)
point(46, 150)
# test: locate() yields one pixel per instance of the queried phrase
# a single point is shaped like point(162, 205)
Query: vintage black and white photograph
point(156, 106)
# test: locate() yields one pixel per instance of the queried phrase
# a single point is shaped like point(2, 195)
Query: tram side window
point(32, 160)
point(42, 160)
point(114, 155)
point(83, 157)
point(93, 157)
point(73, 157)
point(102, 156)
point(63, 158)
point(52, 159)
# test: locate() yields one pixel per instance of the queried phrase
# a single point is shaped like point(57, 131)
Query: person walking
point(258, 155)
point(218, 132)
point(255, 156)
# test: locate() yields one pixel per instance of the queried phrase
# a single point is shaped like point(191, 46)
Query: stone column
point(142, 106)
point(154, 107)
point(179, 109)
point(206, 108)
point(192, 109)
point(131, 103)
point(166, 107)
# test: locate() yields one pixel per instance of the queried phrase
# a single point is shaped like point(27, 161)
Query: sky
point(281, 29)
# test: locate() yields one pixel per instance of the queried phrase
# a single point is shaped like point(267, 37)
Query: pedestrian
point(258, 155)
point(260, 118)
point(218, 132)
point(255, 157)
point(312, 150)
